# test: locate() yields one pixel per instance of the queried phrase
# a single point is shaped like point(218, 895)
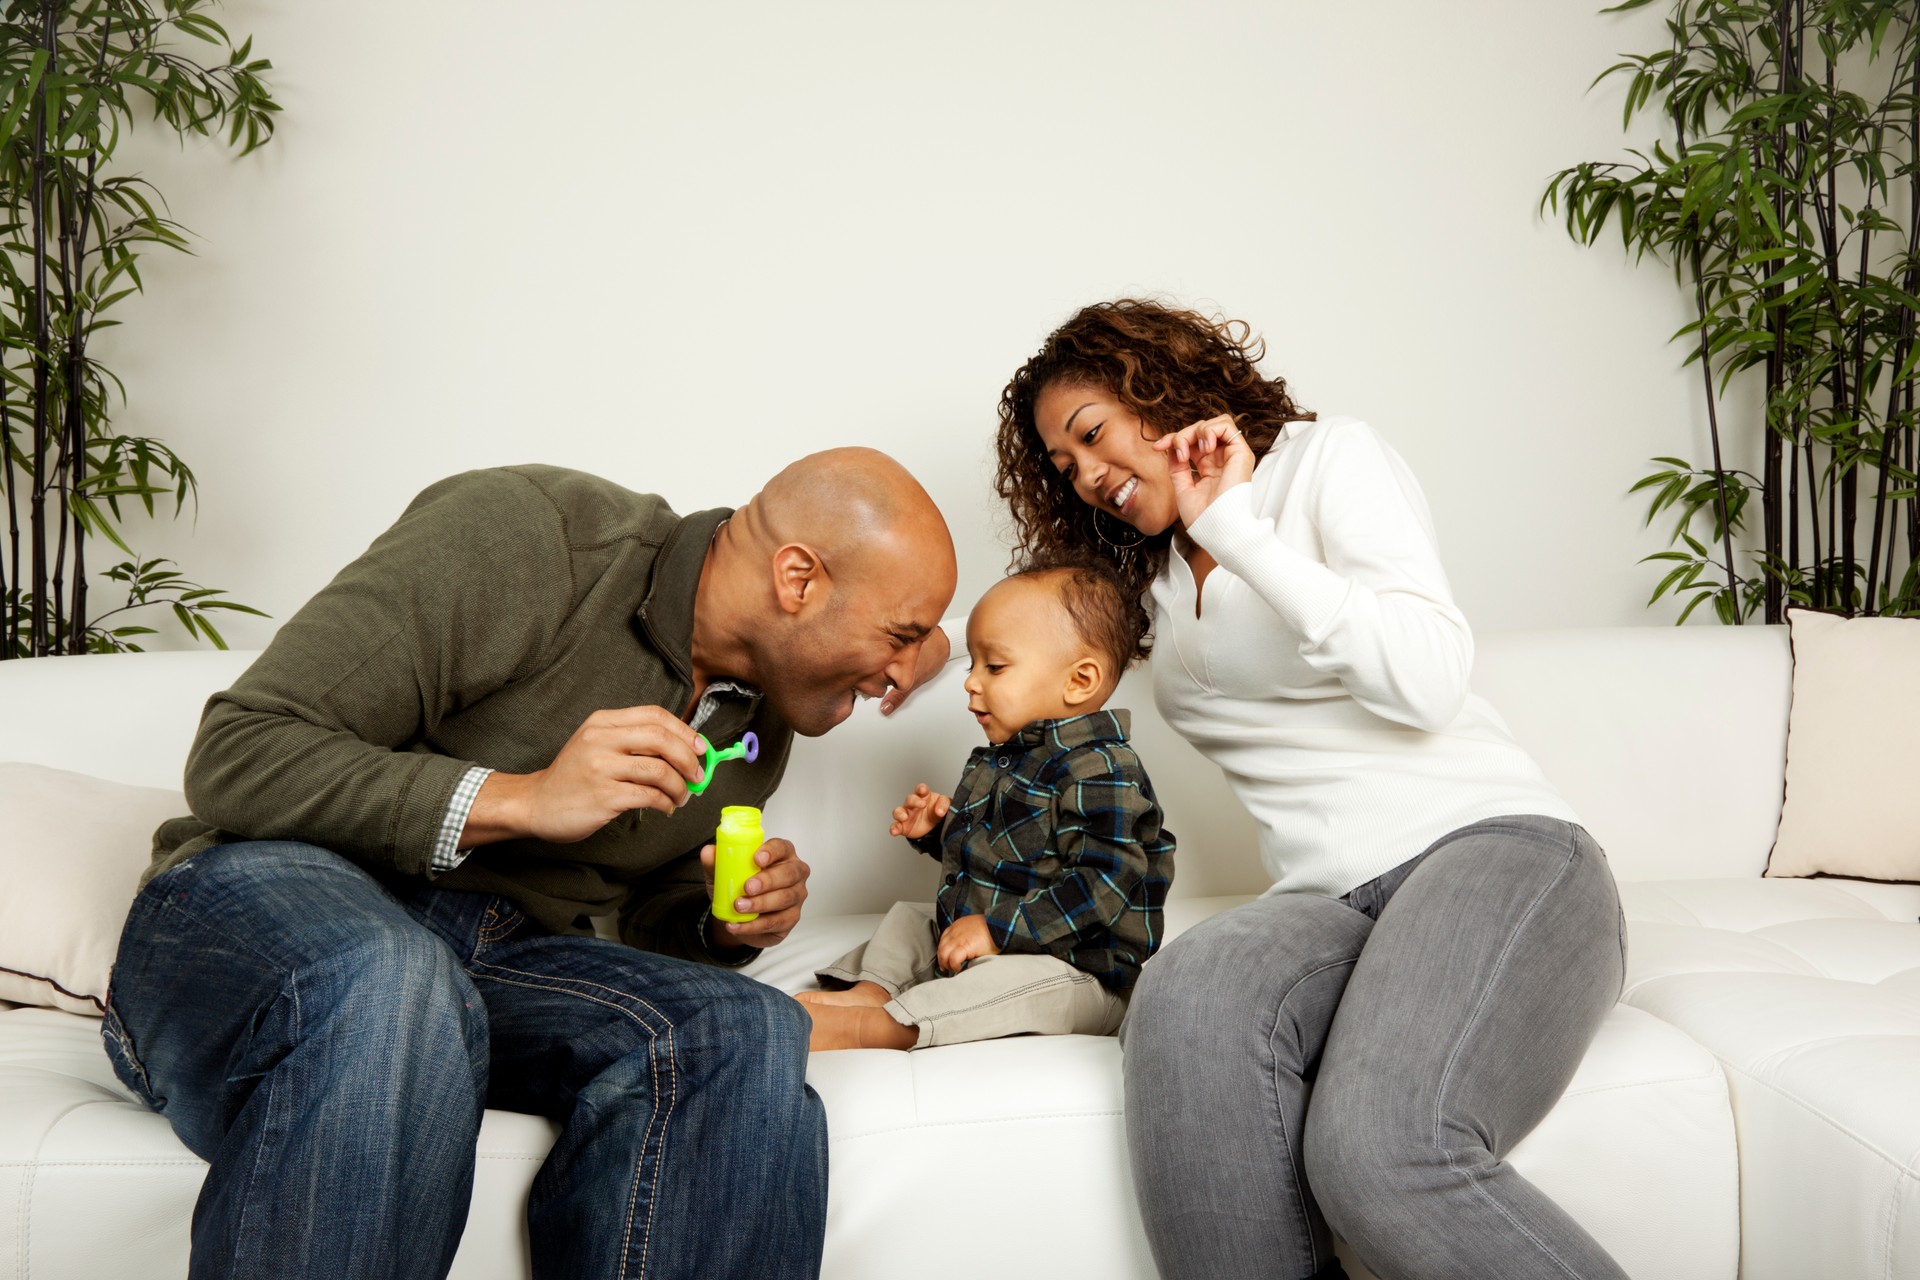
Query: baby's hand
point(967, 938)
point(919, 813)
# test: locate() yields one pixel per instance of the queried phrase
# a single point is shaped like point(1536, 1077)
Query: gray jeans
point(1438, 1013)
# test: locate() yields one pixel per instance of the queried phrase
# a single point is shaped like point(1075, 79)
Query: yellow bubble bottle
point(734, 844)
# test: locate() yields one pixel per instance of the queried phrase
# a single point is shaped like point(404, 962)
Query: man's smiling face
point(861, 638)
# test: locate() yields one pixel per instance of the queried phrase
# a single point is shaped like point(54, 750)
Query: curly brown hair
point(1172, 368)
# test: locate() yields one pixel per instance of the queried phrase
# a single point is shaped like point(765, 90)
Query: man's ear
point(1085, 679)
point(799, 577)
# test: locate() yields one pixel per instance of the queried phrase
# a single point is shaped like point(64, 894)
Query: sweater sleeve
point(323, 739)
point(1378, 615)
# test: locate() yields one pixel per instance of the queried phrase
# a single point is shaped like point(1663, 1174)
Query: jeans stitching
point(548, 983)
point(116, 1031)
point(1280, 1110)
point(1466, 1033)
point(274, 1094)
point(497, 926)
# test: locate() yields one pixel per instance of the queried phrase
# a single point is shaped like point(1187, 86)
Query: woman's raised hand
point(1205, 460)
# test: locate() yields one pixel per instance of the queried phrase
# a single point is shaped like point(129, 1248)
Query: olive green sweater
point(502, 610)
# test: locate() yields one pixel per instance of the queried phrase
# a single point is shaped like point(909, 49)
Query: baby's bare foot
point(839, 999)
point(837, 1026)
point(869, 994)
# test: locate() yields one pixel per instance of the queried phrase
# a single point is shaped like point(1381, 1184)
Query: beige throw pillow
point(1853, 749)
point(71, 852)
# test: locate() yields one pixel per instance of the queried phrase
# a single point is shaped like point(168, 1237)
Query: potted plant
point(1783, 190)
point(74, 76)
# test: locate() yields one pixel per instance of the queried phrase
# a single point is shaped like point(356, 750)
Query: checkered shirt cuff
point(447, 853)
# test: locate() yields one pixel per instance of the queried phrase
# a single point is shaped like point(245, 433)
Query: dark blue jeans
point(328, 1046)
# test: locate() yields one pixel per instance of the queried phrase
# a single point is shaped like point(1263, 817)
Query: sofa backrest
point(1670, 743)
point(129, 717)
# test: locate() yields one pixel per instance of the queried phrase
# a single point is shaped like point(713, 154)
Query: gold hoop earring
point(1099, 531)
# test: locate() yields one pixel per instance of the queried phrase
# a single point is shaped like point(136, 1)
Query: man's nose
point(900, 670)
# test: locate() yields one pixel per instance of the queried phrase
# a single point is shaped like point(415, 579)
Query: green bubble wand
point(748, 749)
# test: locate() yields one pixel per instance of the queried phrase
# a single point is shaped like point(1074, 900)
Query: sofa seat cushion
point(1808, 991)
point(103, 1188)
point(1640, 1150)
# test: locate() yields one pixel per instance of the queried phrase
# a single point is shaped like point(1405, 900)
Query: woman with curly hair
point(1442, 938)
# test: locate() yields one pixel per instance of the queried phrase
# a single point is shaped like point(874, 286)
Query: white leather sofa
point(1752, 1106)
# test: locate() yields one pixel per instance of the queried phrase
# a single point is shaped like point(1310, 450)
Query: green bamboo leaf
point(1665, 582)
point(1692, 604)
point(36, 69)
point(219, 641)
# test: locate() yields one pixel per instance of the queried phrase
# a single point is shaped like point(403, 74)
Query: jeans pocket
point(127, 1067)
point(497, 925)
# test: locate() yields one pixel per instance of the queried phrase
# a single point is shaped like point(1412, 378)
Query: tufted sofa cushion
point(1640, 1149)
point(1808, 992)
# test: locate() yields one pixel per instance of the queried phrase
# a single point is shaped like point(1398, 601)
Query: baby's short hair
point(1096, 600)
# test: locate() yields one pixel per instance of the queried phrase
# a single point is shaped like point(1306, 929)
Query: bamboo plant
point(74, 76)
point(1783, 189)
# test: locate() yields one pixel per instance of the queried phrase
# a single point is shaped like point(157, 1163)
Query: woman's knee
point(1368, 1164)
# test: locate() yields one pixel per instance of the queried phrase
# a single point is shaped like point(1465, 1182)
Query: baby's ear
point(1085, 679)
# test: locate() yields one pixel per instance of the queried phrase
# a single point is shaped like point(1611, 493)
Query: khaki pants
point(1003, 995)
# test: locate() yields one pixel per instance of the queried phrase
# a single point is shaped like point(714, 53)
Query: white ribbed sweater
point(1327, 675)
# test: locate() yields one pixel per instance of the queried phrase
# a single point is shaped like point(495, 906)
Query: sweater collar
point(1071, 731)
point(666, 611)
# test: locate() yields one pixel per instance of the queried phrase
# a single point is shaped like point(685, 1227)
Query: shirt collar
point(666, 612)
point(1073, 731)
point(720, 693)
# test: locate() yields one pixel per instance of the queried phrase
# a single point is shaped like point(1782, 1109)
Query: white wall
point(682, 244)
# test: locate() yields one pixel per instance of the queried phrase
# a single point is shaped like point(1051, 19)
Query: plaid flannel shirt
point(1056, 838)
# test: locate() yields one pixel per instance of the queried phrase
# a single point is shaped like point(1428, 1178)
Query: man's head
point(1047, 643)
point(826, 582)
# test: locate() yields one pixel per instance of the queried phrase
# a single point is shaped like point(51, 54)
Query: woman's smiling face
point(1101, 448)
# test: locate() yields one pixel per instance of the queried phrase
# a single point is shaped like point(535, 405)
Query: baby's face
point(1023, 646)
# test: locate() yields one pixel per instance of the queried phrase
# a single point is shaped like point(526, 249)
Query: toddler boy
point(1056, 862)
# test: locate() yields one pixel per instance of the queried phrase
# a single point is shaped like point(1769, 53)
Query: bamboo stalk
point(1901, 349)
point(37, 508)
point(1835, 590)
point(1713, 412)
point(1770, 495)
point(1713, 430)
point(1912, 504)
point(1849, 476)
point(1793, 497)
point(1817, 586)
point(61, 487)
point(9, 575)
point(76, 384)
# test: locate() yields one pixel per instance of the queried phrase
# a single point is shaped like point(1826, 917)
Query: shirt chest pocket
point(1018, 848)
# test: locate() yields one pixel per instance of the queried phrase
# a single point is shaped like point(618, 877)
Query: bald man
point(410, 813)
